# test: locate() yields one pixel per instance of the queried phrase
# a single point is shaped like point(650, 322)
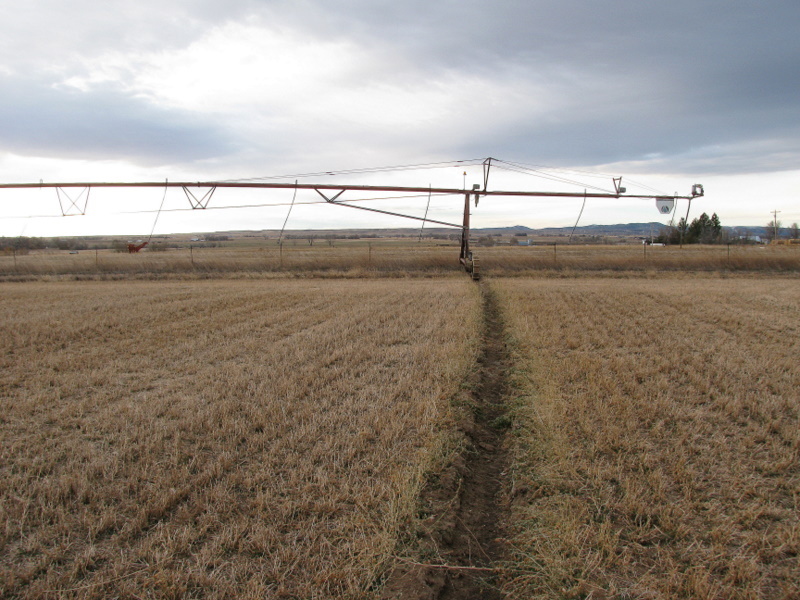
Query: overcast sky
point(664, 94)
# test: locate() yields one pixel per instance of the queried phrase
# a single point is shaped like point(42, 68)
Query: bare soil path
point(466, 512)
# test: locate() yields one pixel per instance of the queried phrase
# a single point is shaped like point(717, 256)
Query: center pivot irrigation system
point(331, 193)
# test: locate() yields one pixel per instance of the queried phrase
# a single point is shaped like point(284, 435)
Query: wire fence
point(385, 258)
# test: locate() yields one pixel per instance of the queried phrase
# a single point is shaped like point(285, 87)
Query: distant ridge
point(622, 229)
point(618, 230)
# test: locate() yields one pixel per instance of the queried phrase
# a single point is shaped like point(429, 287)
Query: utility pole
point(775, 223)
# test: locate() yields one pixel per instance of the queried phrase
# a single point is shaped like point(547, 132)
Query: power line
point(537, 170)
point(534, 173)
point(412, 167)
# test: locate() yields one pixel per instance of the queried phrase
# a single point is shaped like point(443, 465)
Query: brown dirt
point(462, 534)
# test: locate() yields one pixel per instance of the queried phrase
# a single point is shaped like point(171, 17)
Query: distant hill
point(619, 230)
point(622, 229)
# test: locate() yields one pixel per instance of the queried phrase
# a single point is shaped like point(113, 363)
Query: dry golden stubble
point(656, 438)
point(220, 438)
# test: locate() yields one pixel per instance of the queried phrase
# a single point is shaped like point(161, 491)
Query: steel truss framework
point(332, 192)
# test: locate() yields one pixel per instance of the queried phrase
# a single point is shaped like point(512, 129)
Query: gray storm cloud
point(43, 121)
point(676, 84)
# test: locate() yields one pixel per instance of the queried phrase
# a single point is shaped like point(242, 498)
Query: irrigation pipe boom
point(332, 192)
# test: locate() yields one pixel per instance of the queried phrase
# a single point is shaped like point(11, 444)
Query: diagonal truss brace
point(465, 255)
point(384, 212)
point(202, 202)
point(72, 207)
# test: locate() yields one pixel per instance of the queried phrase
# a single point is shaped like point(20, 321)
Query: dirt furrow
point(464, 532)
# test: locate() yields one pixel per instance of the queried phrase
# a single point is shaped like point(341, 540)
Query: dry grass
point(657, 438)
point(382, 258)
point(505, 260)
point(352, 260)
point(220, 439)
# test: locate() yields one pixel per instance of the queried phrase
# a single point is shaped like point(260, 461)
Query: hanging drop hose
point(569, 241)
point(158, 214)
point(425, 218)
point(286, 220)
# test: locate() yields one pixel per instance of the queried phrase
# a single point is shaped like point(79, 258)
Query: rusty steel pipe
point(328, 186)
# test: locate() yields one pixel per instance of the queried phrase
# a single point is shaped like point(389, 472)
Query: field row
point(657, 449)
point(220, 439)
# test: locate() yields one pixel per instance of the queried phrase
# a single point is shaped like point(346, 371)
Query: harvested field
point(656, 438)
point(270, 438)
point(563, 257)
point(221, 439)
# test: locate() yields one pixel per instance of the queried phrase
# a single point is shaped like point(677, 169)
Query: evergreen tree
point(715, 223)
point(702, 230)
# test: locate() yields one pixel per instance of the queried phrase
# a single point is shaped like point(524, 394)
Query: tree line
point(702, 230)
point(25, 244)
point(709, 230)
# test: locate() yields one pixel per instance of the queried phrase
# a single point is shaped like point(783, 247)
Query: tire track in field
point(463, 531)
